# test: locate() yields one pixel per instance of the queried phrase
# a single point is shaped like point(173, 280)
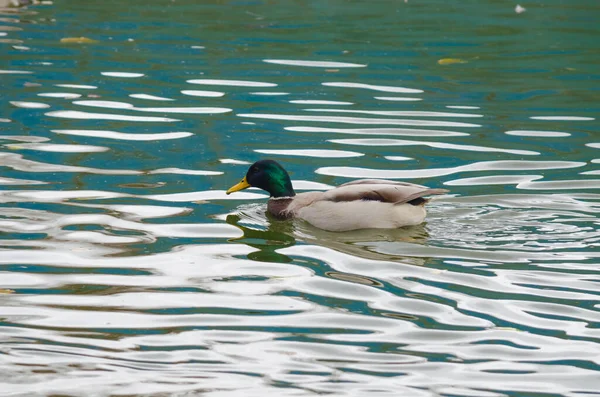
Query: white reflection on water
point(414, 113)
point(440, 145)
point(544, 134)
point(562, 118)
point(200, 196)
point(311, 153)
point(320, 102)
point(65, 95)
point(75, 114)
point(200, 93)
point(29, 105)
point(126, 136)
point(359, 120)
point(501, 165)
point(382, 88)
point(233, 161)
point(232, 83)
point(269, 93)
point(18, 162)
point(43, 147)
point(314, 64)
point(569, 184)
point(379, 131)
point(397, 99)
point(182, 171)
point(128, 106)
point(4, 71)
point(150, 97)
point(14, 181)
point(77, 86)
point(397, 158)
point(105, 104)
point(122, 74)
point(191, 110)
point(493, 180)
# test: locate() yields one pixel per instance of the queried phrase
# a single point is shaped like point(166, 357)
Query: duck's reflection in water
point(364, 243)
point(268, 234)
point(266, 240)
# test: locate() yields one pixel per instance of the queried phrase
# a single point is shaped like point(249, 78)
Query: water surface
point(126, 270)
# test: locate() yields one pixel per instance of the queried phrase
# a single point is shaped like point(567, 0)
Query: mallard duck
point(360, 204)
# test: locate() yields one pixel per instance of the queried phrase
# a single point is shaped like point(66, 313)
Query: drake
point(360, 204)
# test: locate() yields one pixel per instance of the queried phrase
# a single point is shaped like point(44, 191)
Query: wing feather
point(379, 190)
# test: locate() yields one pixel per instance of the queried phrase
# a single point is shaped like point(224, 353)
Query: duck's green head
point(267, 175)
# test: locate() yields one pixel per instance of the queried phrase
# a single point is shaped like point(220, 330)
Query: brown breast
point(279, 208)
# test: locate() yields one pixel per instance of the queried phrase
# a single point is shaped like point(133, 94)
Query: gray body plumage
point(360, 204)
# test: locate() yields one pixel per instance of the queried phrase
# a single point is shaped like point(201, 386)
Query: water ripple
point(314, 64)
point(439, 145)
point(77, 86)
point(128, 106)
point(150, 97)
point(398, 99)
point(562, 118)
point(191, 110)
point(48, 147)
point(126, 136)
point(544, 134)
point(77, 115)
point(358, 120)
point(501, 165)
point(569, 184)
point(269, 93)
point(208, 94)
point(122, 74)
point(14, 181)
point(320, 102)
point(416, 113)
point(29, 105)
point(232, 83)
point(379, 131)
point(311, 153)
point(127, 270)
point(4, 71)
point(382, 88)
point(64, 95)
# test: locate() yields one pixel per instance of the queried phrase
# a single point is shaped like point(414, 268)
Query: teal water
point(125, 270)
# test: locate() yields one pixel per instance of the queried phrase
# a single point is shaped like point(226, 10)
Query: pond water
point(125, 269)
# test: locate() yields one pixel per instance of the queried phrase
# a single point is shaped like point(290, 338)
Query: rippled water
point(126, 270)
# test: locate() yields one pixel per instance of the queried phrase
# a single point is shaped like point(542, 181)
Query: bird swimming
point(359, 204)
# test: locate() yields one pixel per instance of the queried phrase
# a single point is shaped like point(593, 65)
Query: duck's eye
point(254, 170)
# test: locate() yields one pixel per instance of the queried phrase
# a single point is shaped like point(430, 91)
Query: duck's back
point(380, 190)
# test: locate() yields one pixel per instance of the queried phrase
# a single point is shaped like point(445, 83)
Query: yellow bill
point(240, 186)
